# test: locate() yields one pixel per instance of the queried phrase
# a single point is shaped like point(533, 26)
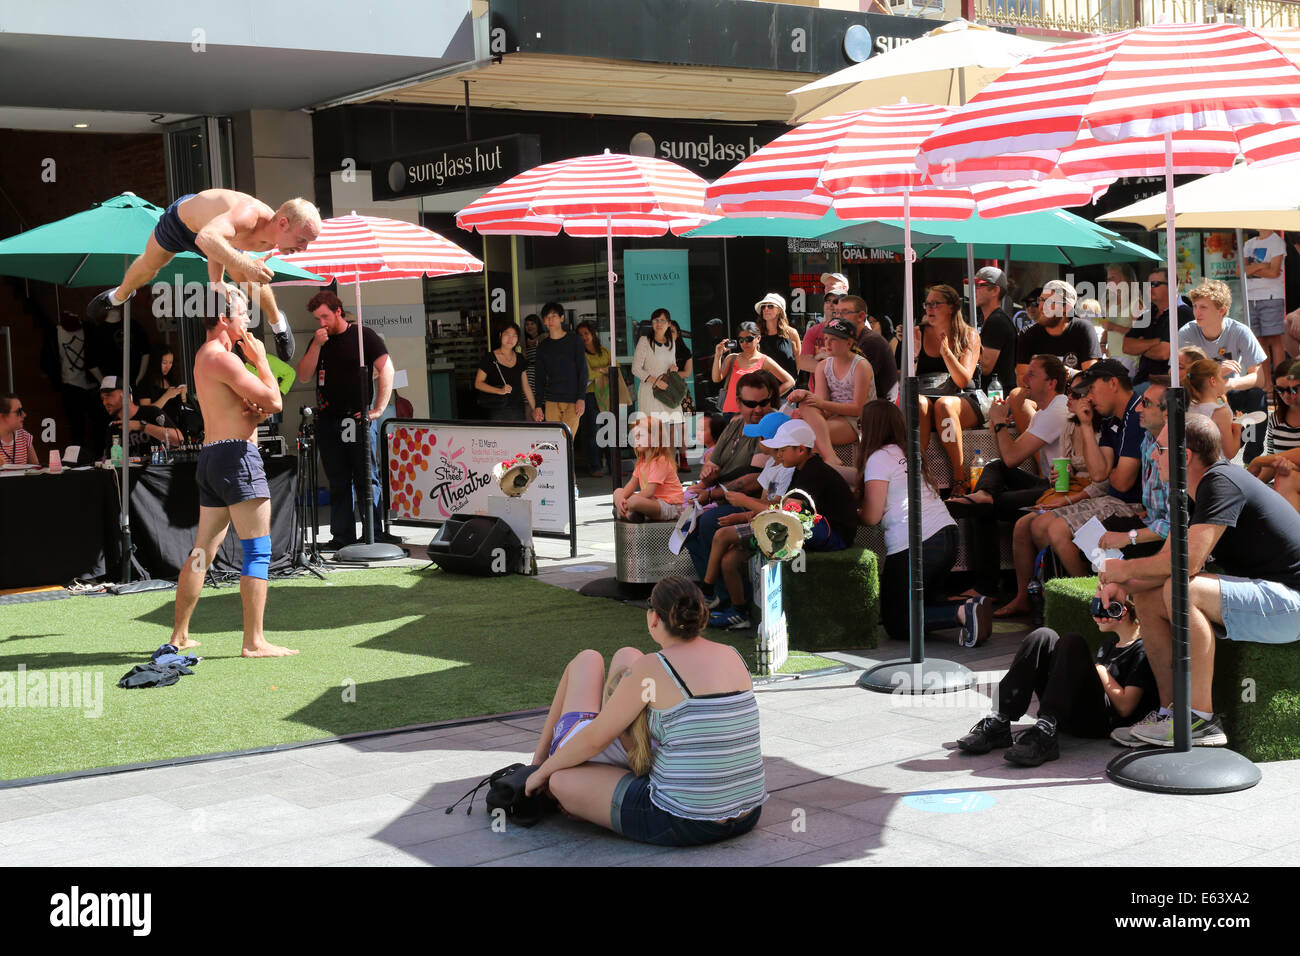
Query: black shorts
point(230, 471)
point(171, 232)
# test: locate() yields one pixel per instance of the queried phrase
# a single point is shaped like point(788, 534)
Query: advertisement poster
point(1220, 252)
point(436, 470)
point(1188, 258)
point(656, 279)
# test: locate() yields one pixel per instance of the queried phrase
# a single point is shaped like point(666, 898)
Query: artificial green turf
point(406, 646)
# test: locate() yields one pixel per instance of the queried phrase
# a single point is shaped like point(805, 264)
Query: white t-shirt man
point(1048, 424)
point(1265, 250)
point(774, 479)
point(889, 463)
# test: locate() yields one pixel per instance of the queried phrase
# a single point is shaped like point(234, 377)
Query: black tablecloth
point(55, 528)
point(165, 513)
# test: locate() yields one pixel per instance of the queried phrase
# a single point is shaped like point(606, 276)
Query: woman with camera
point(735, 358)
point(1080, 694)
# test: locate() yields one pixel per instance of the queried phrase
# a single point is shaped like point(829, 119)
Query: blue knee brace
point(257, 556)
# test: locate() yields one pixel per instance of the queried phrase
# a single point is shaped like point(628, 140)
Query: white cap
point(793, 433)
point(835, 282)
point(109, 383)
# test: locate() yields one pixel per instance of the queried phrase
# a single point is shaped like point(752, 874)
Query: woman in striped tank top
point(706, 781)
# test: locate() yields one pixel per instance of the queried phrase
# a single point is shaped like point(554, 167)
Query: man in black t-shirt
point(1149, 337)
point(793, 446)
point(1254, 536)
point(997, 332)
point(149, 424)
point(879, 353)
point(346, 402)
point(1073, 341)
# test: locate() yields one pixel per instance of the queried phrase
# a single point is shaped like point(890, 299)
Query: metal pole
point(126, 434)
point(974, 318)
point(616, 450)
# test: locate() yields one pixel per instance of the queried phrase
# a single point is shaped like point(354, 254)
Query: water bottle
point(115, 453)
point(976, 469)
point(994, 390)
point(1035, 591)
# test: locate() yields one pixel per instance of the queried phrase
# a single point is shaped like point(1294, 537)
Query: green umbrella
point(867, 233)
point(94, 248)
point(1053, 236)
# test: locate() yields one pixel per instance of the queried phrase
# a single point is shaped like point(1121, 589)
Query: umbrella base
point(363, 553)
point(928, 677)
point(1199, 770)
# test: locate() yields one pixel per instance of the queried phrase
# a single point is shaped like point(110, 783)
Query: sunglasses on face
point(1288, 390)
point(761, 403)
point(745, 338)
point(1147, 403)
point(1081, 391)
point(1157, 283)
point(934, 305)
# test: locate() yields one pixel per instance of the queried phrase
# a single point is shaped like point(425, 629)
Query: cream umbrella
point(1245, 197)
point(946, 66)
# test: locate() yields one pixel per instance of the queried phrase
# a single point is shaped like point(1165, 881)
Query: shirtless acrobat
point(222, 226)
point(231, 479)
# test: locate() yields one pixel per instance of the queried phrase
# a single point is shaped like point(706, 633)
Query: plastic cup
point(56, 465)
point(1062, 468)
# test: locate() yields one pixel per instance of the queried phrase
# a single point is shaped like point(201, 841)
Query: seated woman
point(1082, 695)
point(16, 446)
point(1031, 533)
point(654, 490)
point(946, 345)
point(1283, 437)
point(1207, 389)
point(882, 476)
point(706, 781)
point(842, 384)
point(733, 366)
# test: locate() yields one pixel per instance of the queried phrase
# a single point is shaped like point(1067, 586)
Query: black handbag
point(489, 400)
point(506, 793)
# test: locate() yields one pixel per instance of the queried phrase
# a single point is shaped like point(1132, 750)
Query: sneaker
point(979, 623)
point(713, 602)
point(728, 619)
point(1033, 747)
point(1124, 737)
point(984, 736)
point(1205, 733)
point(284, 345)
point(100, 306)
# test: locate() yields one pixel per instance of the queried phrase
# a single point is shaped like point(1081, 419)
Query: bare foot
point(1014, 609)
point(185, 643)
point(267, 650)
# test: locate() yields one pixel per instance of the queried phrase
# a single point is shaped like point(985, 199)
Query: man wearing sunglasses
point(812, 350)
point(1254, 536)
point(733, 465)
point(997, 333)
point(16, 446)
point(1148, 339)
point(1072, 340)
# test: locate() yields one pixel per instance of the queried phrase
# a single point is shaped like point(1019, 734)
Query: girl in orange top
point(654, 490)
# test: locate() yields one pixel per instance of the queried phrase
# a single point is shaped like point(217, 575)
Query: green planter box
point(834, 602)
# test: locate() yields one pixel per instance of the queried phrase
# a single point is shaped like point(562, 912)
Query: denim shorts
point(1262, 612)
point(634, 815)
point(1267, 316)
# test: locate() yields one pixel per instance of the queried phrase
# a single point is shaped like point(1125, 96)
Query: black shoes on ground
point(984, 736)
point(1033, 747)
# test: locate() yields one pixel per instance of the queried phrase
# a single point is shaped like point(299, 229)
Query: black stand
point(1182, 769)
point(306, 552)
point(367, 551)
point(915, 675)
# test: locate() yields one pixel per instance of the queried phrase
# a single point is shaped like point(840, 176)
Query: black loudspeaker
point(476, 544)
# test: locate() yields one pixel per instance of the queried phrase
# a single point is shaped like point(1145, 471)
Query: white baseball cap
point(835, 282)
point(792, 434)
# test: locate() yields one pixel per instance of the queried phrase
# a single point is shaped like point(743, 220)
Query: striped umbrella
point(1196, 89)
point(359, 249)
point(612, 194)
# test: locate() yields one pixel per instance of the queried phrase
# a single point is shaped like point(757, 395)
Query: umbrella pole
point(616, 445)
point(915, 675)
point(126, 436)
point(970, 283)
point(366, 551)
point(1182, 769)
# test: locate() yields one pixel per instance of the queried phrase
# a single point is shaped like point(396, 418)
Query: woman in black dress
point(162, 384)
point(777, 339)
point(501, 375)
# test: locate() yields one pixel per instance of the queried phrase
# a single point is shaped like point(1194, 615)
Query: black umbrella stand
point(1184, 768)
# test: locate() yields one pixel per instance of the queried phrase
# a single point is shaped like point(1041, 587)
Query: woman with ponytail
point(705, 781)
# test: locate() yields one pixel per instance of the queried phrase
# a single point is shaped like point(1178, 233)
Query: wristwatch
point(999, 426)
point(1133, 536)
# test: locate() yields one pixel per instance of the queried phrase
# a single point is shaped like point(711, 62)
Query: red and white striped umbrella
point(612, 194)
point(1101, 107)
point(354, 249)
